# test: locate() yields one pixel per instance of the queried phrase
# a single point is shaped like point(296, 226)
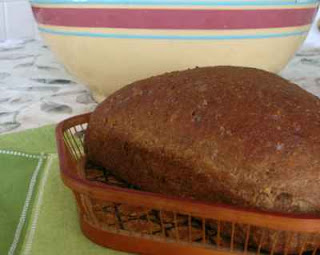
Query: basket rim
point(304, 222)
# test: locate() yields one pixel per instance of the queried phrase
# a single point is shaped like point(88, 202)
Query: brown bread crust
point(234, 135)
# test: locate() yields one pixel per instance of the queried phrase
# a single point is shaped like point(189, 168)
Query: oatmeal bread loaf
point(234, 135)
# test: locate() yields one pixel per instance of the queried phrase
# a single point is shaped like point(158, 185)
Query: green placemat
point(38, 213)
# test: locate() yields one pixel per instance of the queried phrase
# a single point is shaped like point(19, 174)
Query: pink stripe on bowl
point(174, 19)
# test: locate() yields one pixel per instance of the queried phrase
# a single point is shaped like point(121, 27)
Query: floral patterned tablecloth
point(36, 90)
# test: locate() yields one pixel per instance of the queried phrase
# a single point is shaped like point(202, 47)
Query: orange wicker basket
point(146, 223)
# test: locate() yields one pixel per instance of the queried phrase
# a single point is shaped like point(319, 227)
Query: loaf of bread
point(231, 135)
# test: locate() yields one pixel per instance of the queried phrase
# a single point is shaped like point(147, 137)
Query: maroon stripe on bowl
point(174, 19)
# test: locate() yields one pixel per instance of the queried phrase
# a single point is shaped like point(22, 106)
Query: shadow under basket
point(120, 217)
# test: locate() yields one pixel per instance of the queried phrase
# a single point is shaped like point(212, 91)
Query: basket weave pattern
point(164, 225)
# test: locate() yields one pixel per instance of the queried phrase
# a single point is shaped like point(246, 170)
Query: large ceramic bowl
point(107, 44)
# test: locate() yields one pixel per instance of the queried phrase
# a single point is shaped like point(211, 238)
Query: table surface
point(35, 89)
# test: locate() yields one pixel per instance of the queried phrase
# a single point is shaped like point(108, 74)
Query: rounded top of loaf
point(227, 117)
point(265, 113)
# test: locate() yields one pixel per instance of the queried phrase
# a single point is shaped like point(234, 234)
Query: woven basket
point(122, 218)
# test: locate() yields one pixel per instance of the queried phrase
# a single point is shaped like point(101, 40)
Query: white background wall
point(313, 39)
point(16, 22)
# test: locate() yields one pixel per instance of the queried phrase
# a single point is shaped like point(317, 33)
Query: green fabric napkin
point(19, 174)
point(38, 215)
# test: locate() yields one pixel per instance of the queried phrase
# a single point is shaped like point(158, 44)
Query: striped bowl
point(107, 44)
